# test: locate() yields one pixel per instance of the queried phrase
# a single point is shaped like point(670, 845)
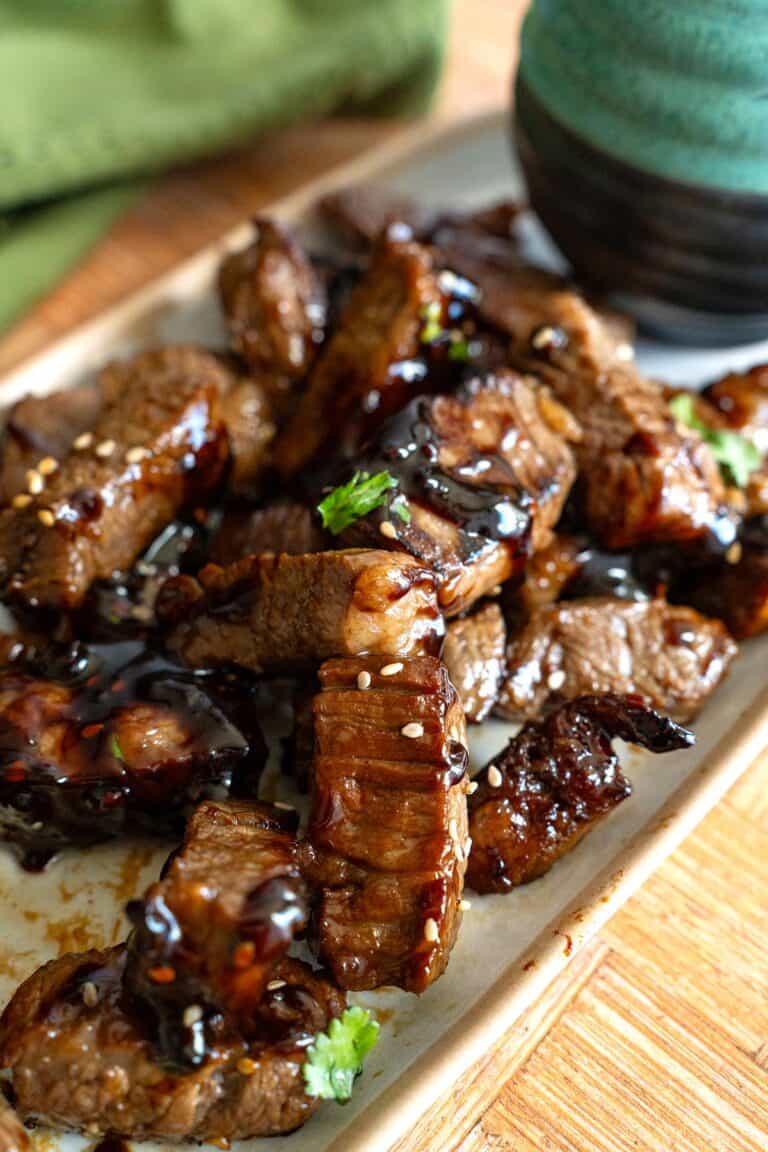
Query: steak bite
point(274, 305)
point(387, 838)
point(278, 613)
point(97, 739)
point(81, 1056)
point(739, 402)
point(485, 474)
point(555, 779)
point(13, 1135)
point(362, 374)
point(671, 656)
point(247, 414)
point(474, 656)
point(285, 527)
point(735, 591)
point(208, 935)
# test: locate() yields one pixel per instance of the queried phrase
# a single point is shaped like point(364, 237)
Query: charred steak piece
point(553, 782)
point(157, 444)
point(645, 477)
point(246, 411)
point(474, 655)
point(41, 429)
point(671, 656)
point(13, 1134)
point(208, 934)
point(94, 739)
point(289, 528)
point(485, 474)
point(740, 403)
point(275, 613)
point(275, 307)
point(81, 1056)
point(735, 591)
point(387, 838)
point(364, 373)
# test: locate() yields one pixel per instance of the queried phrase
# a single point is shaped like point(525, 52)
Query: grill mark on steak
point(553, 782)
point(386, 839)
point(474, 655)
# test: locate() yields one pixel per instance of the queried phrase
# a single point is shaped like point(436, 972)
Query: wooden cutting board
point(656, 1037)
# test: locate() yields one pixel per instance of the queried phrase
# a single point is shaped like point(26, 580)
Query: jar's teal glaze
point(657, 108)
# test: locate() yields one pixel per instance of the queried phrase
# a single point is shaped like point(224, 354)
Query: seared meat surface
point(485, 472)
point(552, 782)
point(13, 1135)
point(81, 1056)
point(671, 656)
point(274, 305)
point(474, 655)
point(94, 739)
point(362, 374)
point(43, 427)
point(289, 528)
point(271, 613)
point(210, 932)
point(387, 838)
point(735, 591)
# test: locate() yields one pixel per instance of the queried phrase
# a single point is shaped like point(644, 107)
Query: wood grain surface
point(656, 1036)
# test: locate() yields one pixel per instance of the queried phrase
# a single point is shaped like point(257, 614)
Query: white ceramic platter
point(511, 946)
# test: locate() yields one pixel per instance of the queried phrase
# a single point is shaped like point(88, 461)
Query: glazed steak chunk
point(553, 782)
point(80, 1057)
point(285, 527)
point(42, 429)
point(271, 613)
point(13, 1134)
point(485, 473)
point(474, 656)
point(208, 935)
point(157, 444)
point(94, 739)
point(387, 838)
point(735, 591)
point(356, 381)
point(671, 656)
point(739, 402)
point(274, 305)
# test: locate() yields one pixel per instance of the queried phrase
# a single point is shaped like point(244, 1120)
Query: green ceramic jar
point(643, 133)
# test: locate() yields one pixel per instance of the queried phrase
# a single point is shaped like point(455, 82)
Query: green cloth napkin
point(97, 92)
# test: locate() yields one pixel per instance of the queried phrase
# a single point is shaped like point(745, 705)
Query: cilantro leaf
point(357, 498)
point(399, 507)
point(736, 455)
point(459, 349)
point(335, 1059)
point(432, 328)
point(117, 751)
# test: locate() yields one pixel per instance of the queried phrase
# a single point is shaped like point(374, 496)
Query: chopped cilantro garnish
point(432, 329)
point(459, 350)
point(357, 498)
point(335, 1058)
point(736, 455)
point(399, 507)
point(117, 751)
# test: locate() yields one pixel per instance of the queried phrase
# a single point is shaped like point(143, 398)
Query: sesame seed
point(391, 669)
point(472, 787)
point(543, 337)
point(105, 448)
point(387, 529)
point(90, 994)
point(363, 680)
point(453, 830)
point(47, 465)
point(22, 500)
point(733, 555)
point(246, 1066)
point(467, 846)
point(465, 905)
point(494, 777)
point(35, 482)
point(135, 455)
point(412, 730)
point(83, 441)
point(192, 1015)
point(556, 680)
point(496, 590)
point(275, 984)
point(285, 807)
point(430, 930)
point(625, 352)
point(46, 517)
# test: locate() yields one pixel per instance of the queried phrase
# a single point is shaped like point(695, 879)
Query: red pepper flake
point(164, 974)
point(91, 730)
point(244, 954)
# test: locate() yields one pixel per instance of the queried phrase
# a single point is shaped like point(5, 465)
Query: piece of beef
point(95, 739)
point(42, 429)
point(554, 780)
point(278, 613)
point(486, 473)
point(546, 575)
point(290, 528)
point(209, 933)
point(299, 746)
point(671, 656)
point(158, 444)
point(81, 1057)
point(740, 401)
point(246, 411)
point(275, 308)
point(13, 1134)
point(365, 371)
point(474, 656)
point(387, 838)
point(645, 477)
point(735, 591)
